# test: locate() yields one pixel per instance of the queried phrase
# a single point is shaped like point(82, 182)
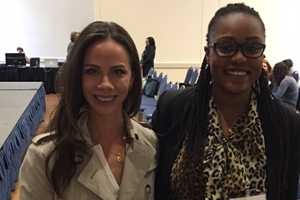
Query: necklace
point(119, 159)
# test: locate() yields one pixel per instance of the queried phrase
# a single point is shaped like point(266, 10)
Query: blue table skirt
point(16, 144)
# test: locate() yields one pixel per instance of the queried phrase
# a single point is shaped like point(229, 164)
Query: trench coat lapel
point(95, 178)
point(93, 175)
point(139, 160)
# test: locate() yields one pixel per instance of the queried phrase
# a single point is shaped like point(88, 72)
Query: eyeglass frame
point(239, 46)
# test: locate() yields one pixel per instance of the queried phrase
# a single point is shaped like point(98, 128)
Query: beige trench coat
point(90, 181)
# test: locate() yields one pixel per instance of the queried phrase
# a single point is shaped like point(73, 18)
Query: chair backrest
point(160, 77)
point(154, 75)
point(188, 75)
point(175, 86)
point(298, 101)
point(162, 85)
point(194, 77)
point(150, 72)
point(295, 75)
point(168, 86)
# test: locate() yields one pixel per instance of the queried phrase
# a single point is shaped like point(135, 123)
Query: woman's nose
point(105, 83)
point(239, 57)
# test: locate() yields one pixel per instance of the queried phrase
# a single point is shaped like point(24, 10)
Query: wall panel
point(42, 27)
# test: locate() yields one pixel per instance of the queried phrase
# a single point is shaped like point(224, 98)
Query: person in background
point(93, 149)
point(267, 67)
point(287, 92)
point(289, 63)
point(21, 50)
point(148, 56)
point(227, 137)
point(73, 36)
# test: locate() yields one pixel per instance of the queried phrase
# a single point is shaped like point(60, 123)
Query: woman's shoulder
point(290, 79)
point(152, 48)
point(293, 117)
point(42, 143)
point(176, 97)
point(170, 105)
point(144, 133)
point(144, 130)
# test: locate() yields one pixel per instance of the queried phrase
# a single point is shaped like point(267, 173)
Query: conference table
point(22, 106)
point(30, 74)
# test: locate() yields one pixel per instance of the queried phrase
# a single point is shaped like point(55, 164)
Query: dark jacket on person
point(172, 103)
point(148, 59)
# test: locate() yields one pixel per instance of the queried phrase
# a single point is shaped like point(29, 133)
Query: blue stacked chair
point(194, 77)
point(187, 78)
point(188, 75)
point(150, 72)
point(169, 86)
point(149, 111)
point(154, 75)
point(295, 75)
point(149, 102)
point(175, 86)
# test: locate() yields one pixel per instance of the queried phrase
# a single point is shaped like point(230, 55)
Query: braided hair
point(197, 109)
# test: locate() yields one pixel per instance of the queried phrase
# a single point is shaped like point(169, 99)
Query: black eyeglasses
point(227, 49)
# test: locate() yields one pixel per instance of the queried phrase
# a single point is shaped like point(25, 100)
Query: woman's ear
point(207, 50)
point(131, 80)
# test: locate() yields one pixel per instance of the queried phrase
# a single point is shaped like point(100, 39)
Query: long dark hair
point(64, 122)
point(280, 70)
point(198, 108)
point(151, 42)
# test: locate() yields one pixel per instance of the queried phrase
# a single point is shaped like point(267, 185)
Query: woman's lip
point(105, 98)
point(236, 72)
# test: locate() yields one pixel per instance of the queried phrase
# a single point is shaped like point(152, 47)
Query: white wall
point(171, 22)
point(179, 28)
point(281, 18)
point(168, 24)
point(42, 27)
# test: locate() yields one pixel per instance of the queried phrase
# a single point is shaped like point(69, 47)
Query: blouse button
point(148, 189)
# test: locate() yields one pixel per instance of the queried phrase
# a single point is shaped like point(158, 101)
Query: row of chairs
point(190, 78)
point(148, 104)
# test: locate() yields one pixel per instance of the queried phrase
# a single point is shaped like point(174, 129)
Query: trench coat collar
point(139, 160)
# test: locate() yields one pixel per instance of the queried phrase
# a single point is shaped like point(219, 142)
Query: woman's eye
point(225, 48)
point(252, 48)
point(91, 71)
point(118, 71)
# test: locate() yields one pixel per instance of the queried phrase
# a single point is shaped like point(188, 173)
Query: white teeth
point(105, 98)
point(237, 73)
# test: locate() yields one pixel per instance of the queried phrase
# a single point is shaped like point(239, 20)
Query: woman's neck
point(231, 106)
point(106, 129)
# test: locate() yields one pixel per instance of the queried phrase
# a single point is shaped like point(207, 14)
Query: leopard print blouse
point(233, 166)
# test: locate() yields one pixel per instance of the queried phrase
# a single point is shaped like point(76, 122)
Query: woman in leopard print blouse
point(228, 137)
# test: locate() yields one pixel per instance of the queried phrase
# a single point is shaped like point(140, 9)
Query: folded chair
point(194, 77)
point(149, 102)
point(148, 112)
